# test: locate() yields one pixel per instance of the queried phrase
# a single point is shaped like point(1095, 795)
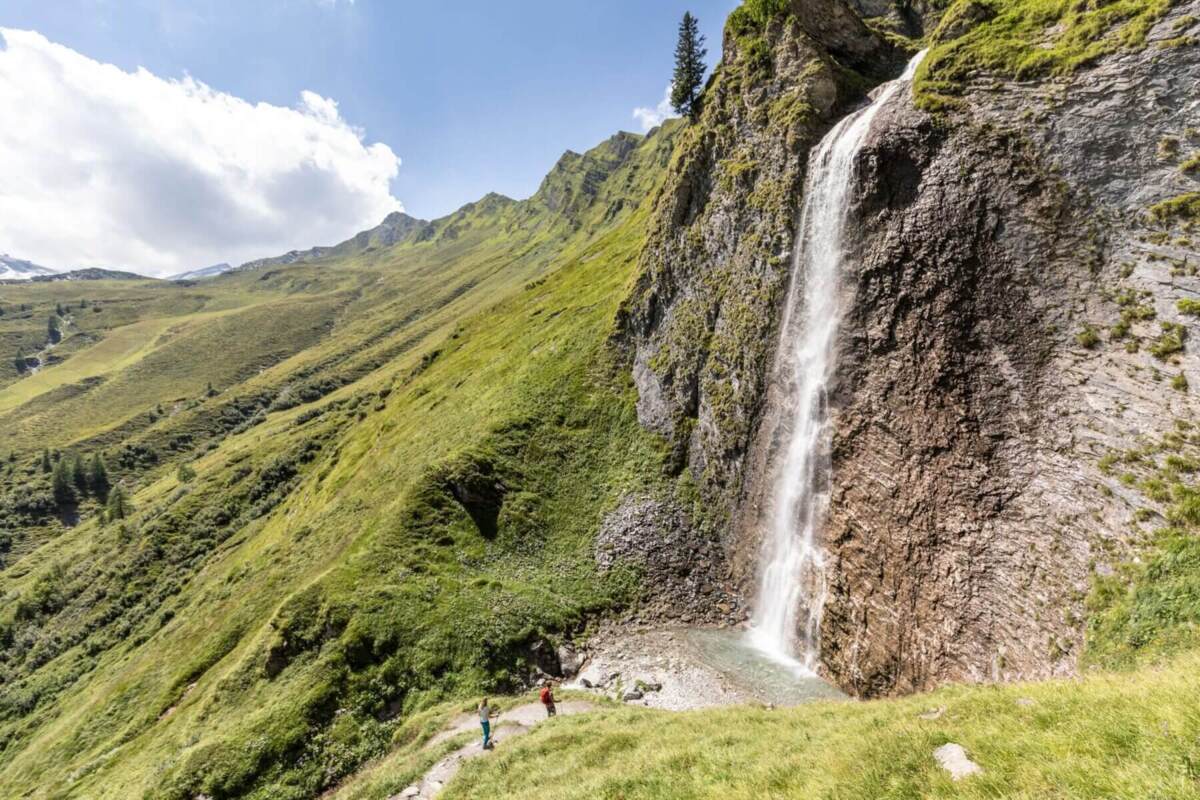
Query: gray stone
point(569, 660)
point(952, 758)
point(674, 557)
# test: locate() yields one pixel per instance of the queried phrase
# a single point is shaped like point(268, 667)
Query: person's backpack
point(545, 695)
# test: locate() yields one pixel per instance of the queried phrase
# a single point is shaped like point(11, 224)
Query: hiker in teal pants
point(485, 714)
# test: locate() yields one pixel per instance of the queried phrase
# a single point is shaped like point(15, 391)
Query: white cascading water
point(787, 618)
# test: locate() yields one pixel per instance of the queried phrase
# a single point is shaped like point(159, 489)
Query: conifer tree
point(79, 475)
point(98, 477)
point(118, 504)
point(46, 465)
point(53, 332)
point(62, 483)
point(19, 360)
point(689, 68)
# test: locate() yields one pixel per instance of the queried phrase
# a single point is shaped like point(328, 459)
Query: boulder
point(953, 758)
point(569, 660)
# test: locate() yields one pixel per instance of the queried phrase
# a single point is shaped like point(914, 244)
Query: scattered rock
point(411, 791)
point(679, 562)
point(585, 683)
point(952, 758)
point(633, 694)
point(933, 714)
point(1025, 702)
point(569, 661)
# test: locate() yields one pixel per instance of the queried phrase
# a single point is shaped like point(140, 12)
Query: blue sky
point(473, 96)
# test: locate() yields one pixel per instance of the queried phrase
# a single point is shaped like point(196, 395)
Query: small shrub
point(1088, 337)
point(1183, 207)
point(1186, 509)
point(1187, 305)
point(1170, 342)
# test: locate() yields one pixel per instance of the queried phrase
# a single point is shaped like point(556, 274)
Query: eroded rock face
point(968, 507)
point(679, 565)
point(700, 323)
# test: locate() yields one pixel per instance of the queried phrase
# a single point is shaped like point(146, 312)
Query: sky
point(163, 135)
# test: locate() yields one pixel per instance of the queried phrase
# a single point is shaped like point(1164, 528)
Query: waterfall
point(787, 618)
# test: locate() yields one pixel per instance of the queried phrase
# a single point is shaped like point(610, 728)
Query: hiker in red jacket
point(547, 697)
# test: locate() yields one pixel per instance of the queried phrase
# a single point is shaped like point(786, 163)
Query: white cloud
point(101, 167)
point(653, 117)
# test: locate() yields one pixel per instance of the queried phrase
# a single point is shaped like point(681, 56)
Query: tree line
point(72, 479)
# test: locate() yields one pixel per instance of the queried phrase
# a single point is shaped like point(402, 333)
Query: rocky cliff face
point(1013, 329)
point(700, 323)
point(978, 396)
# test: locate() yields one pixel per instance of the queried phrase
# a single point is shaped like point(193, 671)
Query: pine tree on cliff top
point(689, 68)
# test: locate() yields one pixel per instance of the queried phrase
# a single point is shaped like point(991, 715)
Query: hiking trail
point(506, 725)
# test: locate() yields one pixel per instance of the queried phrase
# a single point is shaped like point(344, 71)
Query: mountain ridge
point(19, 269)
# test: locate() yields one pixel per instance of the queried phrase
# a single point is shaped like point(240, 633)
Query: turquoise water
point(729, 653)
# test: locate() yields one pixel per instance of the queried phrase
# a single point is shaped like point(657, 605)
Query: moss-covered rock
point(700, 324)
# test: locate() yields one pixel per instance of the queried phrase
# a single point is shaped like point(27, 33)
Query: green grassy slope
point(262, 627)
point(1111, 736)
point(272, 338)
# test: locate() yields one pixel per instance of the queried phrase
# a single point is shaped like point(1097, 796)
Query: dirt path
point(514, 722)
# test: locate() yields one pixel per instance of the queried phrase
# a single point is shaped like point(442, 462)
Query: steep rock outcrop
point(1011, 329)
point(700, 322)
point(976, 396)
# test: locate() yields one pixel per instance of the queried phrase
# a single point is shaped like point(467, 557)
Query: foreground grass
point(412, 754)
point(1107, 736)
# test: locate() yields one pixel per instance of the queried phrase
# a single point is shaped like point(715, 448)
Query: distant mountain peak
point(395, 228)
point(576, 176)
point(205, 272)
point(17, 269)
